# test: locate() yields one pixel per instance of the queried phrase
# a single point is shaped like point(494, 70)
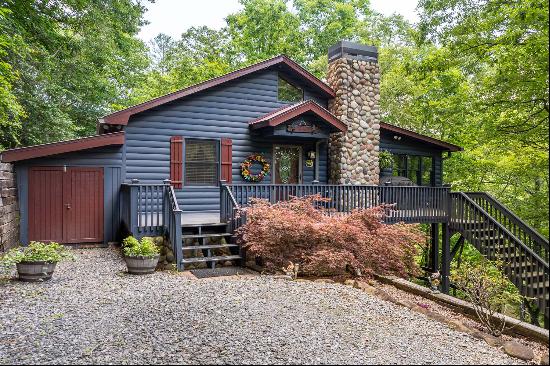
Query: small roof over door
point(292, 112)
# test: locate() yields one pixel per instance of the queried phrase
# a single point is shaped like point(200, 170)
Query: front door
point(287, 164)
point(65, 205)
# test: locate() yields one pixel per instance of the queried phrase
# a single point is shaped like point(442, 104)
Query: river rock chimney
point(354, 75)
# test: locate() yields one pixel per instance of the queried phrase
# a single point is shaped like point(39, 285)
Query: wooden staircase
point(208, 243)
point(499, 234)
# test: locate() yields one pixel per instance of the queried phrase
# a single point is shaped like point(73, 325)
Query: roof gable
point(122, 117)
point(286, 113)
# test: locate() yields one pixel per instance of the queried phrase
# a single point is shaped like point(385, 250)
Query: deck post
point(178, 245)
point(434, 250)
point(223, 208)
point(445, 258)
point(134, 209)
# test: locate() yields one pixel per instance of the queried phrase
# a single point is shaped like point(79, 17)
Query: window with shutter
point(176, 155)
point(201, 162)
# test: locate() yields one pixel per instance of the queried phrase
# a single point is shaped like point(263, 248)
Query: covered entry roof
point(37, 151)
point(445, 146)
point(286, 113)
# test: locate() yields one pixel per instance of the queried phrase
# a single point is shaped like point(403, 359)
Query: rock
point(544, 359)
point(350, 282)
point(518, 350)
point(170, 256)
point(324, 280)
point(492, 340)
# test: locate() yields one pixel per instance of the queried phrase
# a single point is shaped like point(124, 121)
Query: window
point(400, 165)
point(427, 176)
point(201, 162)
point(289, 92)
point(416, 168)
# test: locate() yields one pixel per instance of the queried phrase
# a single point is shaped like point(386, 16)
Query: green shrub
point(487, 288)
point(145, 248)
point(36, 252)
point(385, 159)
point(130, 242)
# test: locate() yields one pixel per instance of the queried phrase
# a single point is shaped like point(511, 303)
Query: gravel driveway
point(92, 312)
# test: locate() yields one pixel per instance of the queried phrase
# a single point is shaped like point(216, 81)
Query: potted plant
point(141, 256)
point(385, 159)
point(37, 261)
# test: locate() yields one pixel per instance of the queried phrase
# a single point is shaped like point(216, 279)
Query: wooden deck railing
point(523, 231)
point(523, 266)
point(152, 210)
point(410, 204)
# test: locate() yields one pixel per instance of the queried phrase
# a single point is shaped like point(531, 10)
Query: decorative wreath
point(247, 164)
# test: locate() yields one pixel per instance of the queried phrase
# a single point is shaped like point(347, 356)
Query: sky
point(173, 17)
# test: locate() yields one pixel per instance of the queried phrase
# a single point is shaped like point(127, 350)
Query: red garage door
point(66, 206)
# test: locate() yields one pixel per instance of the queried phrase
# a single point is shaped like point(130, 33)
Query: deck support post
point(134, 209)
point(178, 244)
point(445, 258)
point(434, 249)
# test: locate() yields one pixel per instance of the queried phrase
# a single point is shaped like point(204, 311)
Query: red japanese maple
point(298, 231)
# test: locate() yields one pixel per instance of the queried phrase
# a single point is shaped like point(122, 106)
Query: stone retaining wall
point(9, 208)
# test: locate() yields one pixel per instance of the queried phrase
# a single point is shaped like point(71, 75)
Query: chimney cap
point(352, 50)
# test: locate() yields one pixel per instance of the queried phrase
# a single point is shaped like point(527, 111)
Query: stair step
point(198, 236)
point(211, 259)
point(209, 246)
point(204, 225)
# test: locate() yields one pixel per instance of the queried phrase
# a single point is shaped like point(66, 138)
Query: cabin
point(180, 165)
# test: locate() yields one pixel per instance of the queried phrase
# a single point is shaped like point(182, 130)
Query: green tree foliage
point(71, 62)
point(472, 72)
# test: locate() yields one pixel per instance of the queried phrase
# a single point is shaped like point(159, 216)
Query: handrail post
point(134, 212)
point(223, 208)
point(178, 245)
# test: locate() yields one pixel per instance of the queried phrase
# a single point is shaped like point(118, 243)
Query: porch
point(148, 208)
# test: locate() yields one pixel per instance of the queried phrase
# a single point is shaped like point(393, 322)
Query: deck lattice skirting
point(9, 208)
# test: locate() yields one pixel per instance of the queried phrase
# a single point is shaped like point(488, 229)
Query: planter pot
point(35, 271)
point(386, 174)
point(141, 265)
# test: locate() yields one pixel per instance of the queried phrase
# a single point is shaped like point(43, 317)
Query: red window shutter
point(227, 159)
point(176, 163)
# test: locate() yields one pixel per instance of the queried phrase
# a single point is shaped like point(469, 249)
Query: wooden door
point(45, 204)
point(83, 200)
point(287, 164)
point(66, 205)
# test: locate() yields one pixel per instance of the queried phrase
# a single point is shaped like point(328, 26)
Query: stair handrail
point(172, 222)
point(500, 226)
point(513, 217)
point(229, 207)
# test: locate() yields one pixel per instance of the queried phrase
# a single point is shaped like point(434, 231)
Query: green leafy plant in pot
point(141, 256)
point(385, 159)
point(36, 262)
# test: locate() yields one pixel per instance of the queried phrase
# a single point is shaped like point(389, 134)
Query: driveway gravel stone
point(93, 312)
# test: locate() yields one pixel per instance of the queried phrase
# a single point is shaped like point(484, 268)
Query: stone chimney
point(354, 75)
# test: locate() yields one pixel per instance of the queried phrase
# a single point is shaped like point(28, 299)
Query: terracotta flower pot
point(35, 271)
point(141, 265)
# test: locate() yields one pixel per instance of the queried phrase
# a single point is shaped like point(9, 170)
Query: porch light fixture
point(311, 154)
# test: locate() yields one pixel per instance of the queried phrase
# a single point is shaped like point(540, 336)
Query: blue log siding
point(220, 112)
point(110, 158)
